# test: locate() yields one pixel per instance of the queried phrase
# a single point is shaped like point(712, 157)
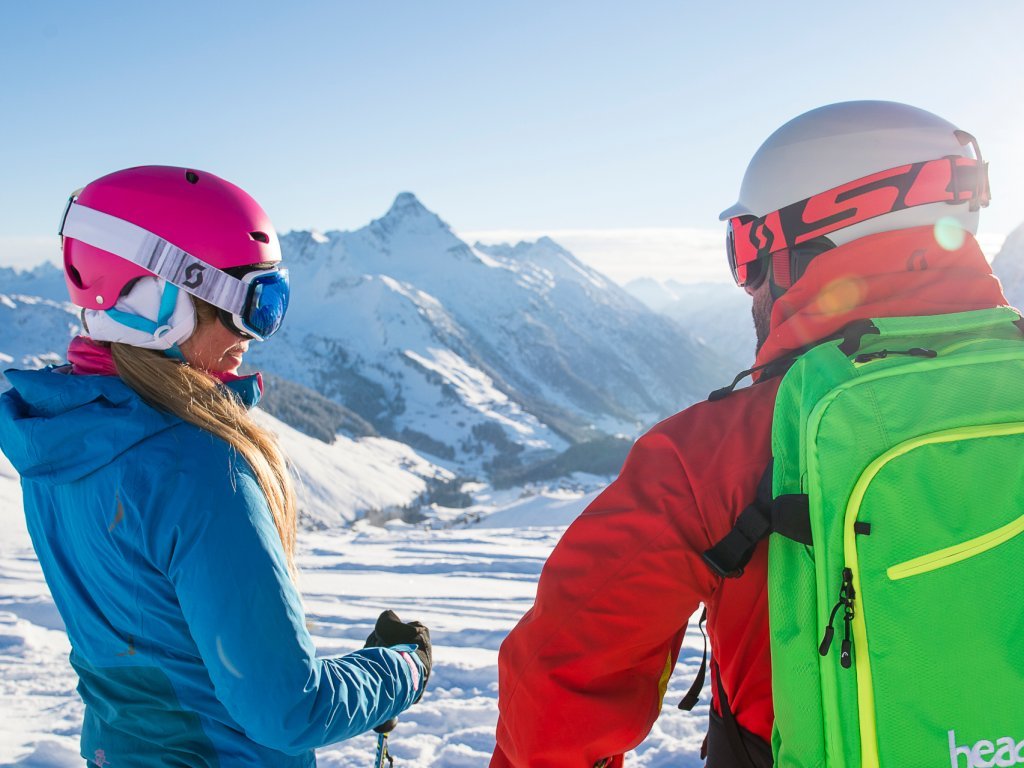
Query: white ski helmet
point(847, 170)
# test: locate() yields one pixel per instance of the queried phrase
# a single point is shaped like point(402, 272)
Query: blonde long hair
point(196, 397)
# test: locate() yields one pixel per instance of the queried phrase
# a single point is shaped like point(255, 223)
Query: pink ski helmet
point(132, 238)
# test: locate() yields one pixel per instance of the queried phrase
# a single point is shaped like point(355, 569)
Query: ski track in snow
point(469, 585)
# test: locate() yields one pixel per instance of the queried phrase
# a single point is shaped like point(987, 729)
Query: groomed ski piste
point(469, 584)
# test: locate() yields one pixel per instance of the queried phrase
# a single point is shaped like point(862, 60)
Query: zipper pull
point(826, 641)
point(845, 602)
point(845, 654)
point(884, 353)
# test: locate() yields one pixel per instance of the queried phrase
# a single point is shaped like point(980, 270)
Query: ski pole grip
point(387, 726)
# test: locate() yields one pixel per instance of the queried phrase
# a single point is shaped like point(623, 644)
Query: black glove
point(391, 630)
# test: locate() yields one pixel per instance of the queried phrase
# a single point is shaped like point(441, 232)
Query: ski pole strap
point(788, 515)
point(693, 695)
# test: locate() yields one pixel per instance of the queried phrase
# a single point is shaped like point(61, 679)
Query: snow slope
point(339, 482)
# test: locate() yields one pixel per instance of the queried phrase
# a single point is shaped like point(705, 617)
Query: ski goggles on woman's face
point(265, 304)
point(252, 304)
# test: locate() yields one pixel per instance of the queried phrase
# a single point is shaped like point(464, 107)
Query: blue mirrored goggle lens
point(267, 303)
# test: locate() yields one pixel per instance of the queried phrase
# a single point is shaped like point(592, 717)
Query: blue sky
point(520, 117)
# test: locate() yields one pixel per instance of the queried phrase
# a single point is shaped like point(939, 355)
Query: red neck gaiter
point(892, 274)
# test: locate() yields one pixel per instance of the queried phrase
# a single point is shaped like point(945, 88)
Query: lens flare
point(949, 234)
point(840, 296)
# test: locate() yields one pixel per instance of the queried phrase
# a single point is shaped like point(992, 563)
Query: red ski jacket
point(583, 674)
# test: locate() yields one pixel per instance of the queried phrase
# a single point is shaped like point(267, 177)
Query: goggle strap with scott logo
point(164, 259)
point(952, 180)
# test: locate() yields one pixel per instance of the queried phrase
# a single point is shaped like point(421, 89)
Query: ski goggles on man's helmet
point(751, 240)
point(252, 304)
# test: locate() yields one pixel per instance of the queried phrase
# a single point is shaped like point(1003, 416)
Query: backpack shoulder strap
point(787, 515)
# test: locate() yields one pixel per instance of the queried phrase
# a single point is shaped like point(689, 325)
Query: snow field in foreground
point(470, 586)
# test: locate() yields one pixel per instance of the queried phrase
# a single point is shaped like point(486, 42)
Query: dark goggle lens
point(267, 303)
point(745, 275)
point(730, 250)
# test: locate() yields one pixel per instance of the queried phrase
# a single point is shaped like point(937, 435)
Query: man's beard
point(761, 310)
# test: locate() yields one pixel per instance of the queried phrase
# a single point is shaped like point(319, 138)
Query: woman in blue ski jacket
point(162, 514)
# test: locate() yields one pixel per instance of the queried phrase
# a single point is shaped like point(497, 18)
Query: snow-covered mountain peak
point(543, 246)
point(408, 215)
point(407, 202)
point(546, 255)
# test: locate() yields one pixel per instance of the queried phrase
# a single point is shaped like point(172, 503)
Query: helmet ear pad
point(142, 299)
point(788, 265)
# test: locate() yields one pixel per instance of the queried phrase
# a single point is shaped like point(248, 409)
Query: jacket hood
point(57, 428)
point(902, 273)
point(58, 425)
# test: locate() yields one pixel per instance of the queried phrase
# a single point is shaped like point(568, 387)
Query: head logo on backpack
point(986, 753)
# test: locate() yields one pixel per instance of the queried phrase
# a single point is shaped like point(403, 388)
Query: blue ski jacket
point(158, 546)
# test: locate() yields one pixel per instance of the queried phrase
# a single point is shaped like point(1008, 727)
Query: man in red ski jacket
point(850, 211)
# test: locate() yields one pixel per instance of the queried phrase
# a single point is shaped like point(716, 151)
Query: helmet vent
point(75, 275)
point(191, 177)
point(260, 237)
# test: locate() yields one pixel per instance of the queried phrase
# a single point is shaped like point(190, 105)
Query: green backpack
point(896, 575)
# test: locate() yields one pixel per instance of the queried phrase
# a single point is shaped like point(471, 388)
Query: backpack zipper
point(956, 553)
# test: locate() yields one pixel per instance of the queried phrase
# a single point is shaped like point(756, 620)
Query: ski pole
point(382, 752)
point(382, 744)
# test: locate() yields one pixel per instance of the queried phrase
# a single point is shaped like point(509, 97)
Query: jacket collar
point(902, 273)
